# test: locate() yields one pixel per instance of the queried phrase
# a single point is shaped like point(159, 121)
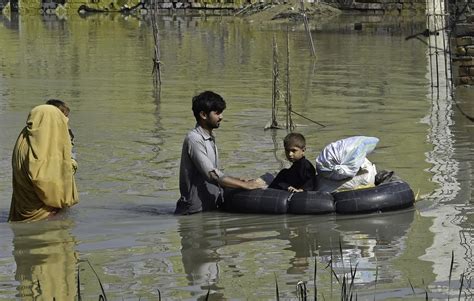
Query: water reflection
point(218, 250)
point(10, 21)
point(464, 145)
point(199, 243)
point(449, 199)
point(277, 149)
point(128, 148)
point(373, 241)
point(46, 260)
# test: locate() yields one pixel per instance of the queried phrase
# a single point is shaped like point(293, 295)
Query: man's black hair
point(207, 102)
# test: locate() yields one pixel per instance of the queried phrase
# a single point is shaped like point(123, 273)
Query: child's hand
point(293, 189)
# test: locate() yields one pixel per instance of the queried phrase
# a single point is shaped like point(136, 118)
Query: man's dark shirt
point(301, 175)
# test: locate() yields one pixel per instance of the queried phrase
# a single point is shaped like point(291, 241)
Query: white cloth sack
point(342, 159)
point(365, 177)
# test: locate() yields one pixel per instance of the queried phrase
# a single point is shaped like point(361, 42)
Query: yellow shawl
point(43, 170)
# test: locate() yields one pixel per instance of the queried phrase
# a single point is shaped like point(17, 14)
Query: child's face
point(294, 153)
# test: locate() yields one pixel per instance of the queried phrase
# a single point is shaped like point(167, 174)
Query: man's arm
point(197, 153)
point(231, 182)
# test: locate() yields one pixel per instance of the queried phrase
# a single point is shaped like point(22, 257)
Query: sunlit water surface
point(128, 143)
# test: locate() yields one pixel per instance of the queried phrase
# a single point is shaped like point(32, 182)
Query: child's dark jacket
point(301, 175)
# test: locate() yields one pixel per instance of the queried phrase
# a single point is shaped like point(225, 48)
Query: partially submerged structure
point(371, 7)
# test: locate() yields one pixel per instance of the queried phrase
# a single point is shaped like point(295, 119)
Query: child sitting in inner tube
point(301, 175)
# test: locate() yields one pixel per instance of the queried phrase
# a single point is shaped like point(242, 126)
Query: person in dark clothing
point(302, 174)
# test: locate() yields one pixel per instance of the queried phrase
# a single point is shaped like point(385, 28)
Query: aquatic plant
point(346, 281)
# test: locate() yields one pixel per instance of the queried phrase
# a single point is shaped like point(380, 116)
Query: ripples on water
point(128, 143)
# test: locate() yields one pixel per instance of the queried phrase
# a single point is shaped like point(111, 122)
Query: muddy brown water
point(371, 82)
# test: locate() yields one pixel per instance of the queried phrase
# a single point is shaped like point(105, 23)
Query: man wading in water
point(200, 180)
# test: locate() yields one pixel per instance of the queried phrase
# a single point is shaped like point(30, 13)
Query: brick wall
point(462, 12)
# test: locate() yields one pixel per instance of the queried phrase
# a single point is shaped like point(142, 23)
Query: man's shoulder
point(193, 134)
point(198, 134)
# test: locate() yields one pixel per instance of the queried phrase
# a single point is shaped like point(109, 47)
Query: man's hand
point(293, 189)
point(257, 183)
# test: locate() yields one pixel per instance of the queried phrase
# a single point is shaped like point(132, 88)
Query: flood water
point(128, 143)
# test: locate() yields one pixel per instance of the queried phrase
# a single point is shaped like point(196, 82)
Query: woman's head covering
point(43, 174)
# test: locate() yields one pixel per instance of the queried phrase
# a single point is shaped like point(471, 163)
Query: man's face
point(213, 119)
point(294, 153)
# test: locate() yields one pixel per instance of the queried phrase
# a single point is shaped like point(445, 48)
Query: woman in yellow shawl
point(43, 170)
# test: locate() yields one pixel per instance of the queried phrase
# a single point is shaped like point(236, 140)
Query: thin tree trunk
point(275, 83)
point(289, 120)
point(306, 27)
point(156, 38)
